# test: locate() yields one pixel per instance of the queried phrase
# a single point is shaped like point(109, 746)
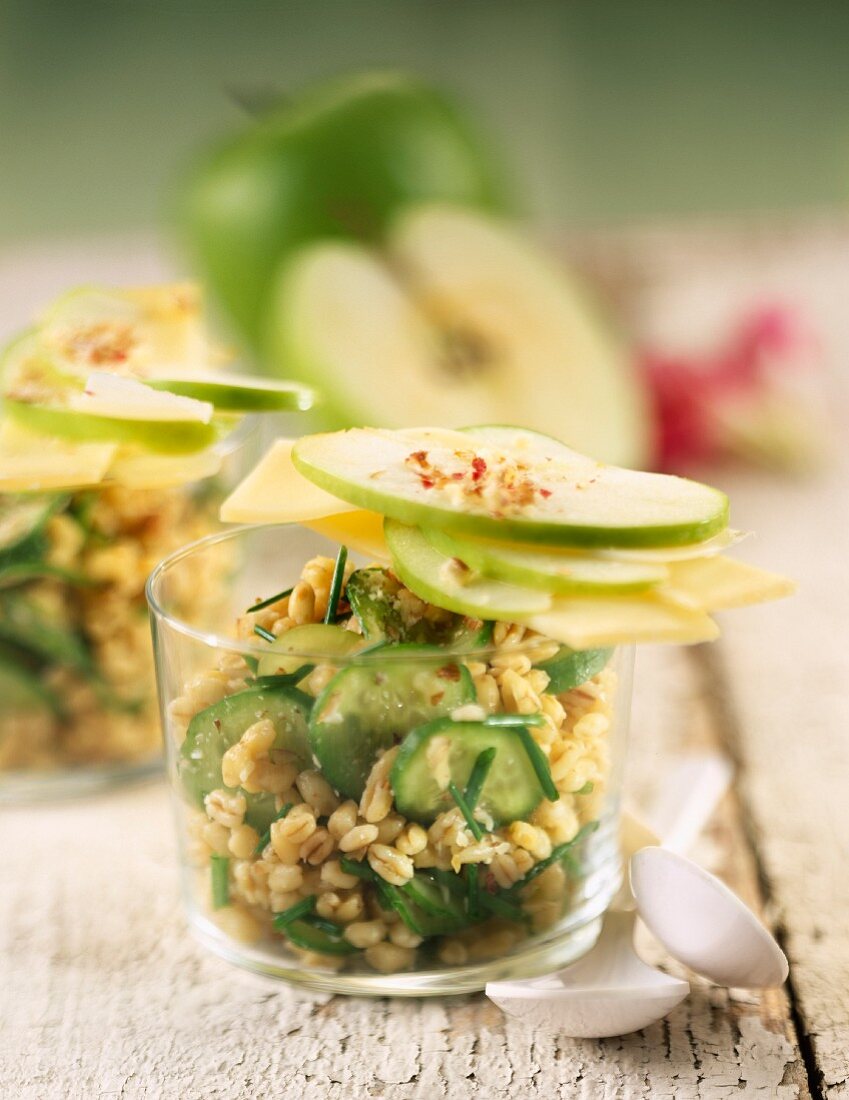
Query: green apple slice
point(274, 492)
point(433, 577)
point(584, 622)
point(238, 392)
point(666, 555)
point(472, 323)
point(551, 571)
point(717, 584)
point(421, 479)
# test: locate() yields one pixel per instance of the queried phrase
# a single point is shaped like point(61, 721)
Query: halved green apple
point(238, 392)
point(434, 478)
point(549, 570)
point(435, 577)
point(470, 321)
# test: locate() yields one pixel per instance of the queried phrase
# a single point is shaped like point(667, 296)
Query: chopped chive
point(361, 870)
point(263, 633)
point(500, 907)
point(328, 926)
point(473, 884)
point(514, 720)
point(587, 788)
point(560, 854)
point(336, 585)
point(266, 836)
point(300, 909)
point(219, 869)
point(462, 806)
point(539, 763)
point(478, 777)
point(269, 601)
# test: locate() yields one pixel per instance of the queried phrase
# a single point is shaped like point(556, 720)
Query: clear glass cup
point(275, 875)
point(79, 708)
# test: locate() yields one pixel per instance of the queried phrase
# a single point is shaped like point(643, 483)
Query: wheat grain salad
point(397, 803)
point(119, 435)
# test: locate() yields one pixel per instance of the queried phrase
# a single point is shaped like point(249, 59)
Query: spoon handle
point(689, 797)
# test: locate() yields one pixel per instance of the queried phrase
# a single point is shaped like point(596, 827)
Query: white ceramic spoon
point(702, 923)
point(611, 991)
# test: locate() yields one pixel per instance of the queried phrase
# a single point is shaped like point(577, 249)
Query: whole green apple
point(338, 162)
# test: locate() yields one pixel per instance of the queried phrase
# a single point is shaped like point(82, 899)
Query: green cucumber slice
point(212, 731)
point(309, 643)
point(511, 791)
point(239, 392)
point(368, 708)
point(432, 577)
point(548, 570)
point(372, 594)
point(303, 933)
point(570, 667)
point(570, 500)
point(425, 921)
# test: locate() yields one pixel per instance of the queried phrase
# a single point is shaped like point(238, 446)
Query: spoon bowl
point(611, 991)
point(702, 923)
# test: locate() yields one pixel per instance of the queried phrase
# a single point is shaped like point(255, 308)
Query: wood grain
point(105, 994)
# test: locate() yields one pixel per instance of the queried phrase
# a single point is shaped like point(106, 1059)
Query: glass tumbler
point(77, 683)
point(330, 833)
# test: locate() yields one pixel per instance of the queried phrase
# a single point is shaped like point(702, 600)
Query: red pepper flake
point(546, 493)
point(478, 468)
point(427, 483)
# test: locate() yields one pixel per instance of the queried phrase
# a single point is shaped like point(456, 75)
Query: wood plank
point(787, 710)
point(105, 995)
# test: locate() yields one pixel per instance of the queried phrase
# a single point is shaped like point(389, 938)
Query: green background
point(610, 111)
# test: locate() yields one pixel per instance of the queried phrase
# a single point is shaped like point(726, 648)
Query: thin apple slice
point(483, 489)
point(274, 492)
point(666, 555)
point(30, 463)
point(361, 531)
point(584, 622)
point(237, 392)
point(550, 570)
point(435, 577)
point(717, 584)
point(161, 423)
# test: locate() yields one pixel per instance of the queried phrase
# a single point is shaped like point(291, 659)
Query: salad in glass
point(120, 433)
point(397, 757)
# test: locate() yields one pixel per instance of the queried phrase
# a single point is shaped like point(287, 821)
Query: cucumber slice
point(571, 667)
point(22, 691)
point(239, 392)
point(425, 920)
point(548, 570)
point(303, 933)
point(23, 625)
point(432, 576)
point(522, 491)
point(312, 642)
point(368, 708)
point(212, 731)
point(372, 594)
point(511, 791)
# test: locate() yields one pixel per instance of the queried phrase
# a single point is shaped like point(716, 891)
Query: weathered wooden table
point(105, 995)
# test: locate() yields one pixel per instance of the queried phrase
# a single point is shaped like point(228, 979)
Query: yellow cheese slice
point(584, 622)
point(31, 463)
point(360, 530)
point(715, 584)
point(138, 469)
point(274, 492)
